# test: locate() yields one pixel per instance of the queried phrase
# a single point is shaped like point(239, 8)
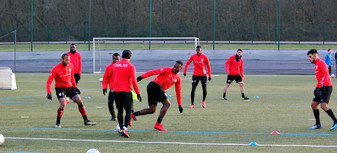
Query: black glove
point(140, 78)
point(78, 91)
point(209, 79)
point(139, 97)
point(104, 91)
point(181, 109)
point(49, 96)
point(184, 74)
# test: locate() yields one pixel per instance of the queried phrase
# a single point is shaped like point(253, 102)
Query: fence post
point(66, 29)
point(229, 33)
point(252, 32)
point(48, 34)
point(323, 29)
point(299, 33)
point(207, 33)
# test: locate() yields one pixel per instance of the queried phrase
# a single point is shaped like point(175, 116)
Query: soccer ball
point(2, 139)
point(92, 151)
point(100, 79)
point(118, 129)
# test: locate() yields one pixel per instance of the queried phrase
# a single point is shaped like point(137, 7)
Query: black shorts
point(230, 78)
point(69, 92)
point(155, 93)
point(123, 100)
point(196, 79)
point(322, 94)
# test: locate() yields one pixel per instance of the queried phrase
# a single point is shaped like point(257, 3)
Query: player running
point(123, 74)
point(200, 62)
point(322, 91)
point(65, 85)
point(156, 91)
point(107, 80)
point(234, 68)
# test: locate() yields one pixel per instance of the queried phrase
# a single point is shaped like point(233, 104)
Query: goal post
point(7, 79)
point(103, 44)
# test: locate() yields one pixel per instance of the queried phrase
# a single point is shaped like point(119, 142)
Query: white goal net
point(7, 78)
point(104, 47)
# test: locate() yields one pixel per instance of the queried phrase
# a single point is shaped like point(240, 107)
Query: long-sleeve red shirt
point(64, 77)
point(76, 59)
point(166, 79)
point(234, 67)
point(107, 78)
point(123, 74)
point(322, 73)
point(200, 62)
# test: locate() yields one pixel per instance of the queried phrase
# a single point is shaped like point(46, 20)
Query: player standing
point(322, 91)
point(200, 62)
point(65, 85)
point(76, 60)
point(107, 80)
point(234, 68)
point(123, 74)
point(156, 91)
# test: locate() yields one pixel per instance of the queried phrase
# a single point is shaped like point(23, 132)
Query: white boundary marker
point(173, 143)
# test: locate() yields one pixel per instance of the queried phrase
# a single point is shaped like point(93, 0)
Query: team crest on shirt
point(202, 59)
point(69, 70)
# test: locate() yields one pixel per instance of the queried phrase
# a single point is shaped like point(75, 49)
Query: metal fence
point(230, 32)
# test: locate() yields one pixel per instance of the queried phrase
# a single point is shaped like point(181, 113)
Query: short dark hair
point(239, 49)
point(115, 55)
point(73, 44)
point(312, 52)
point(179, 62)
point(198, 46)
point(126, 54)
point(329, 49)
point(64, 55)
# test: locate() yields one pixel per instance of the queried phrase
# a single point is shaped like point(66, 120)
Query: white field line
point(173, 143)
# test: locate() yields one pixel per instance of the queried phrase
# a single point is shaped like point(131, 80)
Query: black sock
point(316, 114)
point(224, 95)
point(330, 113)
point(159, 119)
point(85, 118)
point(136, 113)
point(58, 120)
point(243, 95)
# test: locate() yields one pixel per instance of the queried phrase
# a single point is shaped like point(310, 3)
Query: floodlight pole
point(14, 50)
point(213, 24)
point(150, 12)
point(89, 25)
point(278, 24)
point(31, 26)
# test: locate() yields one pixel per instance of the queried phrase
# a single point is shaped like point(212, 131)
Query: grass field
point(224, 126)
point(65, 47)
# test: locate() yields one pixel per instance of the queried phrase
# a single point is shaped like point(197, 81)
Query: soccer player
point(156, 91)
point(322, 91)
point(65, 85)
point(76, 60)
point(200, 62)
point(123, 74)
point(107, 80)
point(234, 68)
point(327, 60)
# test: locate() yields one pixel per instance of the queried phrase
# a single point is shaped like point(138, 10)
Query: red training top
point(76, 59)
point(200, 63)
point(322, 73)
point(64, 77)
point(107, 78)
point(123, 74)
point(166, 79)
point(234, 67)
